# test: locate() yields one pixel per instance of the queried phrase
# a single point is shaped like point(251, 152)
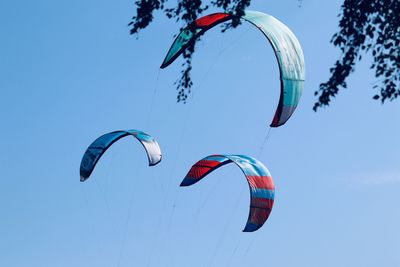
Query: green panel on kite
point(184, 38)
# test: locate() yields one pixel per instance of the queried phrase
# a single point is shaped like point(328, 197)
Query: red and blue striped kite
point(262, 188)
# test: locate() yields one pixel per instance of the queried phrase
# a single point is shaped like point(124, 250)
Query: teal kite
point(285, 44)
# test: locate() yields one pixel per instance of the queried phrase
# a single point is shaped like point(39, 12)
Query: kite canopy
point(262, 188)
point(101, 144)
point(285, 44)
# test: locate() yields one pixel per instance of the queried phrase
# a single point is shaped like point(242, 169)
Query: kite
point(262, 188)
point(101, 144)
point(287, 50)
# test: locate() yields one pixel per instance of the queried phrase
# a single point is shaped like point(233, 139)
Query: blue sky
point(70, 72)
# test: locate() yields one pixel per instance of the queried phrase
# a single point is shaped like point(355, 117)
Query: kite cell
point(262, 188)
point(101, 144)
point(284, 43)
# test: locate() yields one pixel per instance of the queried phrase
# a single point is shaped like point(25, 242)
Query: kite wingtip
point(151, 164)
point(275, 125)
point(185, 183)
point(82, 179)
point(163, 65)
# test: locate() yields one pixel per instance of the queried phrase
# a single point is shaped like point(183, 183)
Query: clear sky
point(70, 72)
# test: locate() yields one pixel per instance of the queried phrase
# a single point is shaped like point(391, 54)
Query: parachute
point(101, 144)
point(284, 43)
point(262, 188)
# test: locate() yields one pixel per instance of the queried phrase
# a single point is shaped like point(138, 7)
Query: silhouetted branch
point(366, 25)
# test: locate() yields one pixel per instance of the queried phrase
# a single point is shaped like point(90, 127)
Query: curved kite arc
point(286, 47)
point(94, 152)
point(261, 184)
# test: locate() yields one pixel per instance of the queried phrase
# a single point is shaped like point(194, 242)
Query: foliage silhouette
point(366, 26)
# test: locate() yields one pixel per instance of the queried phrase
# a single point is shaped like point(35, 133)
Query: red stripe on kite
point(210, 19)
point(207, 163)
point(259, 216)
point(263, 203)
point(202, 167)
point(197, 172)
point(264, 182)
